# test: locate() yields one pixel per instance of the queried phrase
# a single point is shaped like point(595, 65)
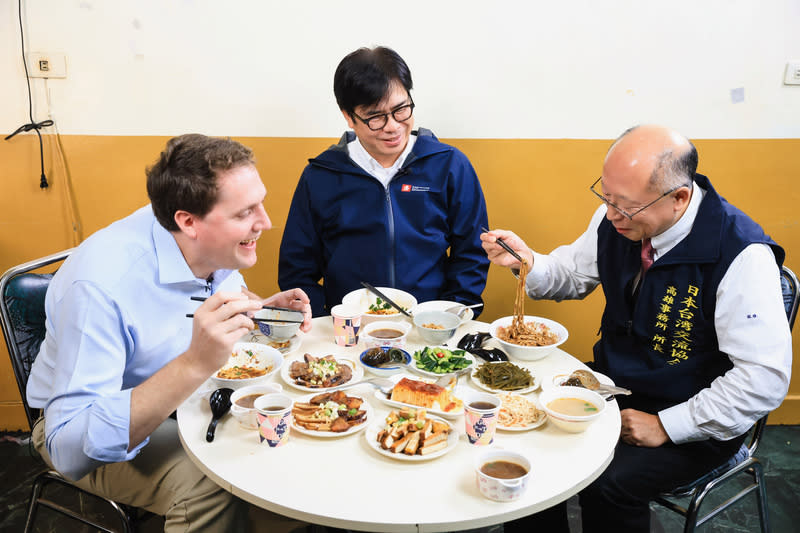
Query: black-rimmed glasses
point(622, 211)
point(399, 114)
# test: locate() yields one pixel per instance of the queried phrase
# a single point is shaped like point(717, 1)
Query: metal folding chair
point(744, 462)
point(22, 314)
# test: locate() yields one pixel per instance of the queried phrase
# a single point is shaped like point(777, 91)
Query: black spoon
point(220, 402)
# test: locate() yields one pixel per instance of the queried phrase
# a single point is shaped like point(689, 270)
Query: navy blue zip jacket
point(663, 344)
point(421, 234)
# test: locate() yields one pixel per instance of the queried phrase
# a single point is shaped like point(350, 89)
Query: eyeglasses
point(399, 114)
point(624, 212)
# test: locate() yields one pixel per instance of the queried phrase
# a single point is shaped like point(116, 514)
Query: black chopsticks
point(203, 299)
point(506, 247)
point(385, 299)
point(267, 320)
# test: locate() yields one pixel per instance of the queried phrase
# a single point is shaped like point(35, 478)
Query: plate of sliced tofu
point(411, 434)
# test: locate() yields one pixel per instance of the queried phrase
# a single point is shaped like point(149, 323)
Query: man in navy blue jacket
point(387, 205)
point(694, 323)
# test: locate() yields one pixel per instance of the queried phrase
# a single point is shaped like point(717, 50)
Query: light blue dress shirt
point(116, 314)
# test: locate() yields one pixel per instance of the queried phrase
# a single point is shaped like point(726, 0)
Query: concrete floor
point(779, 451)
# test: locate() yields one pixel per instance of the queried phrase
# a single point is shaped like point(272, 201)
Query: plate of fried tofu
point(411, 434)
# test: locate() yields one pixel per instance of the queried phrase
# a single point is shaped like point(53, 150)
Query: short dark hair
point(184, 178)
point(363, 77)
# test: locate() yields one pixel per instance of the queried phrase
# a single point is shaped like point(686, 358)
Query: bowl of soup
point(374, 309)
point(243, 402)
point(502, 475)
point(385, 333)
point(572, 409)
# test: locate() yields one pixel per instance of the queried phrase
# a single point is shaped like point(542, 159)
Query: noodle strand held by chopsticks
point(532, 333)
point(519, 299)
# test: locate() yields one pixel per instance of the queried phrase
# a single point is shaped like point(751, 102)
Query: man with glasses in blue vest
point(694, 323)
point(387, 205)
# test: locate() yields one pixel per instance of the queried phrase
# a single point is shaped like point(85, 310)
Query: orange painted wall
point(538, 188)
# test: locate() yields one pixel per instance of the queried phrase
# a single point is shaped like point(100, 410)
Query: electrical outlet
point(47, 65)
point(792, 74)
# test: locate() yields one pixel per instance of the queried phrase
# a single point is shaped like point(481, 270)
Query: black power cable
point(36, 126)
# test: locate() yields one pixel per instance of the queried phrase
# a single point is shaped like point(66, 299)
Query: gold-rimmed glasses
point(622, 211)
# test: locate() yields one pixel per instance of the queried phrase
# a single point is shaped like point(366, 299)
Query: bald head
point(665, 157)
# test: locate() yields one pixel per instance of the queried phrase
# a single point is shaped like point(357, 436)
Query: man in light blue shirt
point(120, 355)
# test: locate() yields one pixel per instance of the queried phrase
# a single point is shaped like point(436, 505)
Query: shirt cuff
point(108, 433)
point(538, 274)
point(677, 422)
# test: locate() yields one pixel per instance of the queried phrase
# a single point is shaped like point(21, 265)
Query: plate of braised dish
point(312, 373)
point(330, 414)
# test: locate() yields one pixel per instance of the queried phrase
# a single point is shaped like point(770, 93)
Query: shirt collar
point(172, 266)
point(667, 240)
point(363, 159)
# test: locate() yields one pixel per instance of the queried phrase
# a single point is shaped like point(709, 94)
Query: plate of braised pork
point(330, 414)
point(314, 373)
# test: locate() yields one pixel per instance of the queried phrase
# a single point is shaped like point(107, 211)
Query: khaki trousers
point(163, 480)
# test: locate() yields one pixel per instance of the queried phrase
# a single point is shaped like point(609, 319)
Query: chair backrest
point(22, 314)
point(791, 295)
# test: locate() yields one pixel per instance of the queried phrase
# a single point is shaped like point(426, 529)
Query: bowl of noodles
point(249, 363)
point(528, 339)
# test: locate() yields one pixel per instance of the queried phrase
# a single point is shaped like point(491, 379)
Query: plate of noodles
point(249, 362)
point(518, 413)
point(527, 337)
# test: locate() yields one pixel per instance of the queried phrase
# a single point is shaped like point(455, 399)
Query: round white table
point(342, 482)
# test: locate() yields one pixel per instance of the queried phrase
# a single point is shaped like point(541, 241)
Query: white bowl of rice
point(545, 335)
point(249, 363)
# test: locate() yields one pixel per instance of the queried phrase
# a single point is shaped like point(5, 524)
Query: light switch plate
point(792, 74)
point(47, 65)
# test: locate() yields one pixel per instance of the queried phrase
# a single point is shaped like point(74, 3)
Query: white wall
point(488, 69)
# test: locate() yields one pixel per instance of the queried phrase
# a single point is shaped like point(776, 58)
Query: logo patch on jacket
point(413, 188)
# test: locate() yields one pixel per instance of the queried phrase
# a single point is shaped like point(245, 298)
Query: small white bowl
point(246, 416)
point(275, 330)
point(385, 370)
point(448, 321)
point(572, 423)
point(529, 353)
point(268, 355)
point(362, 299)
point(498, 489)
point(442, 305)
point(396, 342)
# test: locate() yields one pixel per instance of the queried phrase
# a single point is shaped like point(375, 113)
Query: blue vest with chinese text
point(662, 344)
